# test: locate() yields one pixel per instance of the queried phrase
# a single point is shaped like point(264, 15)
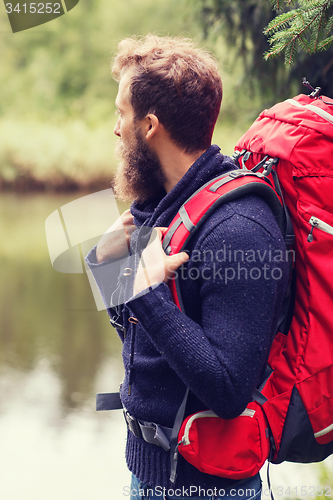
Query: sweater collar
point(161, 210)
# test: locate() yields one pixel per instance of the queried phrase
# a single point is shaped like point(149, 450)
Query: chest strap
point(108, 401)
point(148, 431)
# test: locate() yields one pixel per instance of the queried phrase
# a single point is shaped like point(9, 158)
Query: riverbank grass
point(70, 155)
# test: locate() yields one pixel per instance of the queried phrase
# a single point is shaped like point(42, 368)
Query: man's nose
point(117, 128)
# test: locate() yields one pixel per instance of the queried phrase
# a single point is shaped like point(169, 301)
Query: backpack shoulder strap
point(204, 201)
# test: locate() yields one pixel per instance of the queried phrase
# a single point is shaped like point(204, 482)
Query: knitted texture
point(232, 288)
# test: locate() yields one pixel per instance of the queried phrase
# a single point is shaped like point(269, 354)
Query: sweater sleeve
point(220, 354)
point(112, 278)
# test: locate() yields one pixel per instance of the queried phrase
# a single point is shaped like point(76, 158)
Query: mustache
point(120, 150)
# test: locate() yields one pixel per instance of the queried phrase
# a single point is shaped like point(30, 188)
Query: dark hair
point(177, 82)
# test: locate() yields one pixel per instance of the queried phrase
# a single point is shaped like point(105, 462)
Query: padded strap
point(209, 197)
point(169, 234)
point(185, 218)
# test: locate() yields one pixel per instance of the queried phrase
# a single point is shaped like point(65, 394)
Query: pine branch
point(321, 23)
point(276, 4)
point(307, 27)
point(304, 43)
point(326, 43)
point(279, 23)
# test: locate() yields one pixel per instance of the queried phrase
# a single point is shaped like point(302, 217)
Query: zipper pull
point(174, 462)
point(314, 223)
point(175, 456)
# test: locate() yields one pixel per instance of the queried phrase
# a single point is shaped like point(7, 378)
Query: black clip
point(245, 158)
point(268, 165)
point(315, 92)
point(116, 325)
point(237, 155)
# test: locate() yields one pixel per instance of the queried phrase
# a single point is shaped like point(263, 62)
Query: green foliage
point(241, 24)
point(62, 70)
point(308, 28)
point(57, 93)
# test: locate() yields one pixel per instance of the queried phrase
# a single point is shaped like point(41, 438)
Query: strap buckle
point(153, 433)
point(149, 431)
point(132, 424)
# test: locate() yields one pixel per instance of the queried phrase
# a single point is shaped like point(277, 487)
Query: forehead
point(123, 96)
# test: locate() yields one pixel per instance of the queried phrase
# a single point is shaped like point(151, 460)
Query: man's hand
point(155, 266)
point(115, 242)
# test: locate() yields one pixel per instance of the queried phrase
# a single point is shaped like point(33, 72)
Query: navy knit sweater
point(232, 288)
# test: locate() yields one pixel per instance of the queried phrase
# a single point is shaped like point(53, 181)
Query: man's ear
point(151, 125)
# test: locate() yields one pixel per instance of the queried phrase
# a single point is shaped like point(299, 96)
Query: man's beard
point(139, 175)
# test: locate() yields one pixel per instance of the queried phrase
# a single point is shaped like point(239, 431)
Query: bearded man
point(168, 102)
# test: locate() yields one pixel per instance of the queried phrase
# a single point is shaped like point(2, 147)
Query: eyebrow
point(118, 106)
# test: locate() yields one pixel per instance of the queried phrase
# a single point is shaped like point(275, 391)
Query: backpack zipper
point(248, 412)
point(319, 224)
point(185, 439)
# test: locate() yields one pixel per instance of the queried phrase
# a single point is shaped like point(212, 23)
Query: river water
point(57, 351)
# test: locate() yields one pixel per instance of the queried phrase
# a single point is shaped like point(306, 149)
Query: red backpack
point(291, 417)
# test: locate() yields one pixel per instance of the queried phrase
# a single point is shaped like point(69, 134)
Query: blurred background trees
point(57, 94)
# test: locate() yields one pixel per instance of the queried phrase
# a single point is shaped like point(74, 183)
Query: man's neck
point(175, 163)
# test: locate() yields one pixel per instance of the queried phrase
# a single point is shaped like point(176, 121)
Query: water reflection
point(46, 455)
point(56, 352)
point(45, 314)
